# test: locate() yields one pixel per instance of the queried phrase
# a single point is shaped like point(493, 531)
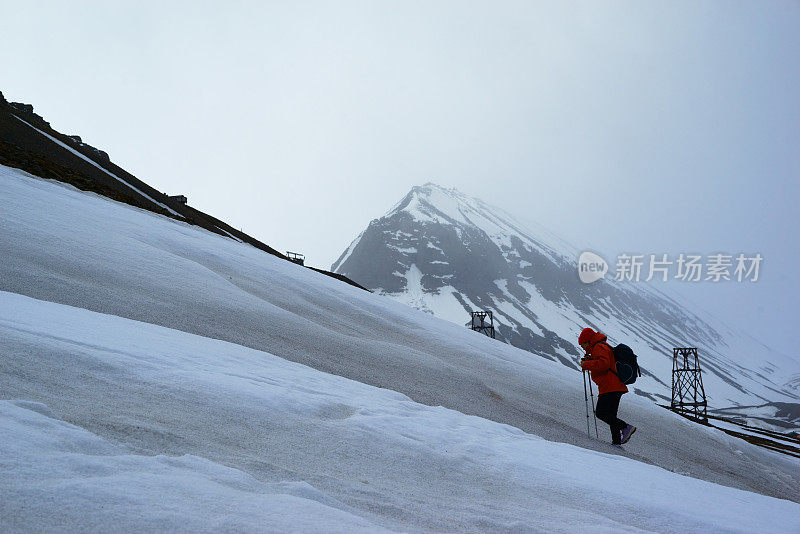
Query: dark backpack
point(627, 368)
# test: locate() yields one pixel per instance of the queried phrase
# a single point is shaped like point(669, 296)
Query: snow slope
point(326, 453)
point(151, 391)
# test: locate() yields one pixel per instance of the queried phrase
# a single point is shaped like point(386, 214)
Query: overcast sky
point(639, 127)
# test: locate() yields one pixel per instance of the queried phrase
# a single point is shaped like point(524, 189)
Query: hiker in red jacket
point(599, 361)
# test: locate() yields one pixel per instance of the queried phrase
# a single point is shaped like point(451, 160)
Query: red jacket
point(602, 365)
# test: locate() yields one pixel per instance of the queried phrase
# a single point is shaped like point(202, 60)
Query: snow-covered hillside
point(448, 254)
point(325, 453)
point(158, 376)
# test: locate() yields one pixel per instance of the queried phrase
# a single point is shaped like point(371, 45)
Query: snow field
point(59, 477)
point(160, 391)
point(432, 467)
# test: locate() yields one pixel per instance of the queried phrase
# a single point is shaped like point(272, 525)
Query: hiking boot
point(627, 432)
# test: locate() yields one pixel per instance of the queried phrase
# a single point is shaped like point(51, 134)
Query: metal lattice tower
point(688, 394)
point(479, 323)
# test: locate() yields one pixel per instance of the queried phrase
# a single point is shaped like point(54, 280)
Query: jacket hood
point(598, 337)
point(586, 336)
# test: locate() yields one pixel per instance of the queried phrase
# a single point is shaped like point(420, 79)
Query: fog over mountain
point(448, 254)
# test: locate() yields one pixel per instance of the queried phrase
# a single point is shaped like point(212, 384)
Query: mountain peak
point(431, 202)
point(435, 186)
point(431, 190)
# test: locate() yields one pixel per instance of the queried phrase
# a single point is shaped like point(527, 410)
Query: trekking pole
point(591, 392)
point(586, 403)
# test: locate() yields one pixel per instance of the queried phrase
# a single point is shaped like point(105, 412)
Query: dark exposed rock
point(26, 111)
point(24, 108)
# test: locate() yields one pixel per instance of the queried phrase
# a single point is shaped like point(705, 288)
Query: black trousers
point(606, 411)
